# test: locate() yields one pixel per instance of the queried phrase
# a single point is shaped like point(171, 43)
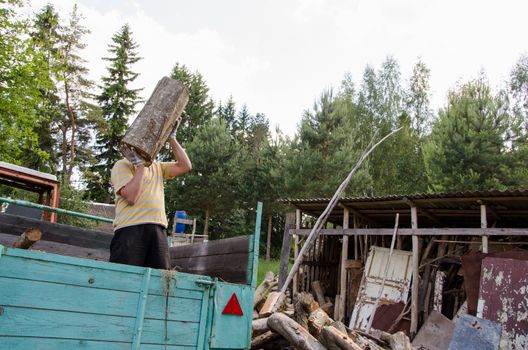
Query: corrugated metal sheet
point(416, 196)
point(396, 284)
point(454, 209)
point(504, 298)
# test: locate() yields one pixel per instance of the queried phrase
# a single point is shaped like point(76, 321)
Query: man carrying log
point(140, 222)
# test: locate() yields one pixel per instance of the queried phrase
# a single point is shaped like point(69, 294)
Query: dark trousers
point(141, 245)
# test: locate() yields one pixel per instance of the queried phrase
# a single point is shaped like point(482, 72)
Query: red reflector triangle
point(233, 307)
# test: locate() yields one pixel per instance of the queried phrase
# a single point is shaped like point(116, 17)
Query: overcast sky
point(278, 56)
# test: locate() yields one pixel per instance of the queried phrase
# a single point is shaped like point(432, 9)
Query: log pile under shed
point(466, 251)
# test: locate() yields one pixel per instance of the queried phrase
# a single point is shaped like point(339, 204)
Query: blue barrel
point(180, 215)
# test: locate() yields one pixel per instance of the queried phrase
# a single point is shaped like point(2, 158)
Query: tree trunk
point(28, 238)
point(293, 332)
point(206, 223)
point(64, 148)
point(72, 124)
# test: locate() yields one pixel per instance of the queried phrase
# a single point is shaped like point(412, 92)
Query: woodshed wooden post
point(296, 249)
point(285, 252)
point(415, 273)
point(484, 226)
point(268, 240)
point(343, 276)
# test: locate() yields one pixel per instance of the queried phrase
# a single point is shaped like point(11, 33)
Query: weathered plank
point(219, 247)
point(226, 259)
point(25, 343)
point(60, 248)
point(82, 272)
point(52, 299)
point(16, 225)
point(59, 324)
point(418, 232)
point(183, 306)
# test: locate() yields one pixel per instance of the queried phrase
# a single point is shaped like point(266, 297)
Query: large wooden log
point(319, 293)
point(259, 326)
point(268, 305)
point(335, 339)
point(261, 340)
point(317, 321)
point(263, 289)
point(297, 335)
point(28, 238)
point(304, 305)
point(153, 125)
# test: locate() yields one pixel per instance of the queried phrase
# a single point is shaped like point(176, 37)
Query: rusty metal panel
point(435, 334)
point(471, 265)
point(475, 333)
point(504, 298)
point(396, 287)
point(385, 318)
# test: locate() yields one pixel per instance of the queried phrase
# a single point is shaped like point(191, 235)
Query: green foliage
point(117, 101)
point(72, 199)
point(210, 189)
point(199, 109)
point(470, 147)
point(22, 75)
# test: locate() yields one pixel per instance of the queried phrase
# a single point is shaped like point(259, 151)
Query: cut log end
point(28, 238)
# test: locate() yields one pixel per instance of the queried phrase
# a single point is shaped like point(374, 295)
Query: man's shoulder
point(121, 163)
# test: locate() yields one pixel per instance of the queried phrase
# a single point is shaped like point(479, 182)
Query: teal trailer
point(50, 301)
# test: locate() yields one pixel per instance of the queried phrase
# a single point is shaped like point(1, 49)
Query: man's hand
point(175, 130)
point(136, 159)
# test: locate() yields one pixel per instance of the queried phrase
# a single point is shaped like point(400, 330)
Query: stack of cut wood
point(306, 325)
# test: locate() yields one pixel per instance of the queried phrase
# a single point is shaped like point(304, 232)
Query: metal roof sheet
point(448, 209)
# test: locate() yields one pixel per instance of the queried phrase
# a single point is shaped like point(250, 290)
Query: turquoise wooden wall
point(49, 301)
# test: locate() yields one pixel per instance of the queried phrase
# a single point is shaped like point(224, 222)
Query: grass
point(263, 267)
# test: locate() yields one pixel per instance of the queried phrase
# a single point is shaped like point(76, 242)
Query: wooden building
point(430, 225)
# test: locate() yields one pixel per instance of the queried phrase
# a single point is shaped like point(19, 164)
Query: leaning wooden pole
point(314, 233)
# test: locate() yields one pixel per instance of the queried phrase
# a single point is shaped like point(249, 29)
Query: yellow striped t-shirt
point(150, 206)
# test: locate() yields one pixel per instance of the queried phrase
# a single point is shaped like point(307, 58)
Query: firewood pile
point(306, 323)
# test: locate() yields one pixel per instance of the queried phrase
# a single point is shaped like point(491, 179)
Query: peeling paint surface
point(396, 287)
point(503, 298)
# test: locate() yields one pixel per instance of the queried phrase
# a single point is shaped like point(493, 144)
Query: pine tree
point(199, 109)
point(470, 144)
point(45, 39)
point(117, 101)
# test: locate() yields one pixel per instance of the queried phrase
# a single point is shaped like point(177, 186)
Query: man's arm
point(130, 192)
point(183, 163)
